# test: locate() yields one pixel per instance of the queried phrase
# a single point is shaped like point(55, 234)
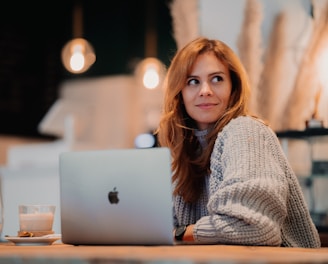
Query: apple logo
point(113, 196)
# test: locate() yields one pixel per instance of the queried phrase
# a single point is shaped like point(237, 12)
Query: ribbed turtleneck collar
point(201, 136)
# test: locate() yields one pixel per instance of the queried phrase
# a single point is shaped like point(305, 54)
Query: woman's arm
point(248, 188)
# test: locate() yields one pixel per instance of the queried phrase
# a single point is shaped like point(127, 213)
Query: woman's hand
point(188, 236)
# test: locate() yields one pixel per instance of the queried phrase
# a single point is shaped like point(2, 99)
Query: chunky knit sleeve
point(250, 192)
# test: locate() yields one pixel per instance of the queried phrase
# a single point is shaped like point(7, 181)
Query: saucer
point(33, 241)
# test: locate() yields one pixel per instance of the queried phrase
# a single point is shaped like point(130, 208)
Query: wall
point(223, 19)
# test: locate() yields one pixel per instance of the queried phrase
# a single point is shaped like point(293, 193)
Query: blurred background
point(32, 36)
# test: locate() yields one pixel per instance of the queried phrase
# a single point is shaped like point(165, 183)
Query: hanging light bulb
point(78, 54)
point(151, 77)
point(77, 60)
point(151, 71)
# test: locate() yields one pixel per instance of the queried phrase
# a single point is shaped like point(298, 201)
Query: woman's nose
point(205, 89)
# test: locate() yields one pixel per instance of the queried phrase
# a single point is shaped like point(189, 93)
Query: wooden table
point(61, 253)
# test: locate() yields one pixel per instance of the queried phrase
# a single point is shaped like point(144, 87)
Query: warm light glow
point(151, 78)
point(78, 55)
point(77, 60)
point(151, 72)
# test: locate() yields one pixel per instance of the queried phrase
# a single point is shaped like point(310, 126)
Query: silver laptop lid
point(121, 196)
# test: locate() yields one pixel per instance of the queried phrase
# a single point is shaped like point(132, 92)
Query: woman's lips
point(206, 105)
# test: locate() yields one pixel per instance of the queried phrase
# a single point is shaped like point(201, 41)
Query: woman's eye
point(217, 79)
point(192, 82)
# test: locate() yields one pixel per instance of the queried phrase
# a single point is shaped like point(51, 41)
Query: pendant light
point(150, 71)
point(78, 54)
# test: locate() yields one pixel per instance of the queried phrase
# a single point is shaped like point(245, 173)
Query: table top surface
point(11, 253)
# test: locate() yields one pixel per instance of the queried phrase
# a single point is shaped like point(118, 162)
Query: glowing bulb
point(150, 73)
point(151, 78)
point(77, 60)
point(78, 55)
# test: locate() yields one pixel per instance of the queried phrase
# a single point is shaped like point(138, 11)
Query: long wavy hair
point(191, 163)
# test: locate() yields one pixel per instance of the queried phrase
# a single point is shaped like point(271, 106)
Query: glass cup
point(36, 220)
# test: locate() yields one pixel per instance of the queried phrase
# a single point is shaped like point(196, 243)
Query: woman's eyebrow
point(217, 72)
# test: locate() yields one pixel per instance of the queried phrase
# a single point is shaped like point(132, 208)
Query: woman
point(232, 181)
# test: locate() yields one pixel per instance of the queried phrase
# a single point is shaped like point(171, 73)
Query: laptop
point(116, 197)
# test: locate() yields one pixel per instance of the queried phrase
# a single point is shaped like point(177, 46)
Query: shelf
point(310, 132)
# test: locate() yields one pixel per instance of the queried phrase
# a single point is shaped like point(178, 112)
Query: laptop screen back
point(121, 196)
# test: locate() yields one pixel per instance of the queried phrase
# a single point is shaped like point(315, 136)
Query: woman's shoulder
point(247, 124)
point(242, 130)
point(248, 119)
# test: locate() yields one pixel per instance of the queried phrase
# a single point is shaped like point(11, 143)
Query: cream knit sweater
point(252, 196)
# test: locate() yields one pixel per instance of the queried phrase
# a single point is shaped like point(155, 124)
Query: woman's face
point(207, 91)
